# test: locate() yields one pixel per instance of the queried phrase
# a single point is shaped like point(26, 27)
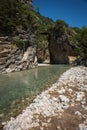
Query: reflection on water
point(21, 85)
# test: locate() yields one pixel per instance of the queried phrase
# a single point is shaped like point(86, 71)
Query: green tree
point(60, 27)
point(83, 42)
point(8, 14)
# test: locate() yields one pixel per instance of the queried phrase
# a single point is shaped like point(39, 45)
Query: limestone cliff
point(60, 46)
point(14, 59)
point(21, 42)
point(58, 51)
point(29, 37)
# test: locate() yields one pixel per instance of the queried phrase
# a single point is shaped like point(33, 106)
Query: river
point(18, 89)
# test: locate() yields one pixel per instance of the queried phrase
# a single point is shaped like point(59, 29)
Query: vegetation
point(80, 39)
point(13, 13)
point(8, 15)
point(60, 27)
point(83, 42)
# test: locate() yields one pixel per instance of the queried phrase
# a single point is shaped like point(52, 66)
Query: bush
point(8, 14)
point(83, 42)
point(19, 43)
point(60, 27)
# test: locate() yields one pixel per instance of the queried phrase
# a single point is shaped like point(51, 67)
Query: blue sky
point(74, 12)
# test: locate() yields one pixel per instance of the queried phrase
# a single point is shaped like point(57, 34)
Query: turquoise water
point(18, 88)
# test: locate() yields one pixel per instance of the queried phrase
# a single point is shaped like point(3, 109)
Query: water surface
point(18, 88)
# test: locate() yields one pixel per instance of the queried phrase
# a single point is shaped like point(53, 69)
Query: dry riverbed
point(62, 107)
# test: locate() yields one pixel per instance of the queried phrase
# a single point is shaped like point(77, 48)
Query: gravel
point(69, 91)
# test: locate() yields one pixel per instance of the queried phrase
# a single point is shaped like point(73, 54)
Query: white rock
point(63, 98)
point(79, 96)
point(47, 105)
point(82, 127)
point(78, 113)
point(61, 91)
point(49, 120)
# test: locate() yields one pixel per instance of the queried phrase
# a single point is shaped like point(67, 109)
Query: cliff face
point(14, 59)
point(29, 36)
point(21, 42)
point(59, 50)
point(59, 44)
point(18, 51)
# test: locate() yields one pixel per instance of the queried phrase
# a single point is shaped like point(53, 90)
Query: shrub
point(19, 42)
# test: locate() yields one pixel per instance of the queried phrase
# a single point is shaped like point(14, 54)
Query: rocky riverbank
point(62, 107)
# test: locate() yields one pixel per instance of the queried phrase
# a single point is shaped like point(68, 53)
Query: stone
point(82, 127)
point(3, 123)
point(63, 98)
point(20, 67)
point(46, 106)
point(79, 96)
point(78, 113)
point(10, 54)
point(9, 70)
point(17, 69)
point(14, 51)
point(9, 62)
point(61, 91)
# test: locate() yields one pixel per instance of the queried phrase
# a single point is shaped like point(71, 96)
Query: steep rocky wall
point(43, 55)
point(14, 59)
point(59, 50)
point(60, 45)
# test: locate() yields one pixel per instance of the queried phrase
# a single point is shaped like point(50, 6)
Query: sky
point(73, 12)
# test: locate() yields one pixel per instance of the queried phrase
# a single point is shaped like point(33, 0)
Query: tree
point(60, 27)
point(83, 42)
point(8, 14)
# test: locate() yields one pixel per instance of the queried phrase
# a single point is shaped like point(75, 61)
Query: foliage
point(83, 42)
point(60, 27)
point(19, 42)
point(8, 14)
point(76, 38)
point(60, 23)
point(80, 39)
point(13, 13)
